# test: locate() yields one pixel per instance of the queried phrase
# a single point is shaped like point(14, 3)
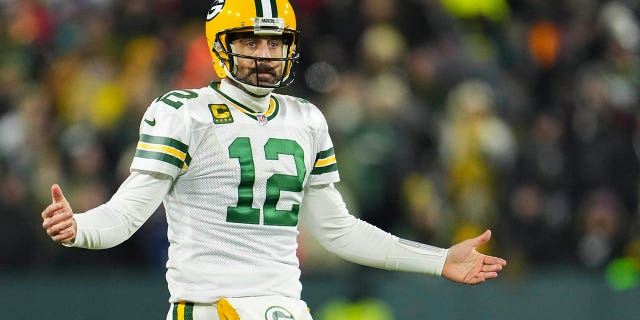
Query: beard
point(261, 74)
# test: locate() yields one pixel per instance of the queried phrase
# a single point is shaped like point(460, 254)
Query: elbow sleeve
point(326, 216)
point(115, 221)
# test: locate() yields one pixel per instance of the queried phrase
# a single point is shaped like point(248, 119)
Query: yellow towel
point(226, 310)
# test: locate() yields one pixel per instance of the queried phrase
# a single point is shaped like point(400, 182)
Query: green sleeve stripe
point(187, 161)
point(325, 154)
point(164, 141)
point(159, 156)
point(326, 169)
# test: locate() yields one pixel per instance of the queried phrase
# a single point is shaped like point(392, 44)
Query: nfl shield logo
point(262, 119)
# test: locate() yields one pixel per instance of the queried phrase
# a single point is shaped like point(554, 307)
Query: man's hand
point(466, 265)
point(57, 218)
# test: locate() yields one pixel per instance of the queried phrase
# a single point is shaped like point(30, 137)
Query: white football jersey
point(238, 183)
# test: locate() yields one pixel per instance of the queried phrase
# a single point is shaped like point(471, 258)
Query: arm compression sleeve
point(325, 214)
point(115, 221)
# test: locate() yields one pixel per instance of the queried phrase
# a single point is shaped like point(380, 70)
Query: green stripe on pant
point(183, 311)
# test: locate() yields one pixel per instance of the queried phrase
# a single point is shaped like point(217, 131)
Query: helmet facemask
point(228, 57)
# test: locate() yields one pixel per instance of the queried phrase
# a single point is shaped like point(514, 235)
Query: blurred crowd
point(448, 116)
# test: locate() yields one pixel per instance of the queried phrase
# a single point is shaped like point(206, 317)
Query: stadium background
point(448, 116)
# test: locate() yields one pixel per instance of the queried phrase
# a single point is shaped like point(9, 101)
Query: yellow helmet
point(260, 17)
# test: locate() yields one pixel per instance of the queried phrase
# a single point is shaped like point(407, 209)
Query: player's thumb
point(56, 194)
point(481, 239)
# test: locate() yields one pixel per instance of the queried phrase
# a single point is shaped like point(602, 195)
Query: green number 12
point(244, 212)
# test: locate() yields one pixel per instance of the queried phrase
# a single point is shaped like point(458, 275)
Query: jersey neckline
point(270, 113)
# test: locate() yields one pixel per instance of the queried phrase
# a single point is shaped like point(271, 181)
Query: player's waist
point(256, 307)
point(208, 284)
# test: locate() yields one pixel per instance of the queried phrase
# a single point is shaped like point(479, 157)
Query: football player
point(236, 167)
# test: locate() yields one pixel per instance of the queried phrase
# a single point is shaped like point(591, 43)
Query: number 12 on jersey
point(244, 212)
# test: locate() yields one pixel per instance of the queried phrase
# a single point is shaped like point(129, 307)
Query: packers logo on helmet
point(215, 9)
point(229, 18)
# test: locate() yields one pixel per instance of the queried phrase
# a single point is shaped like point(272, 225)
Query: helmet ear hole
point(287, 39)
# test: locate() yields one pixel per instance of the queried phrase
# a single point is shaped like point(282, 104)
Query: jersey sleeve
point(325, 166)
point(163, 146)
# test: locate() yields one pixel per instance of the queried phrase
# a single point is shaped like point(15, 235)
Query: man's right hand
point(57, 218)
